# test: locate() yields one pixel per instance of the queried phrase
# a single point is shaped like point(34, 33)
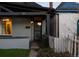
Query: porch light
point(5, 19)
point(31, 22)
point(39, 23)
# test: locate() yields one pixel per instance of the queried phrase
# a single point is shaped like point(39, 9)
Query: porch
point(19, 28)
point(25, 26)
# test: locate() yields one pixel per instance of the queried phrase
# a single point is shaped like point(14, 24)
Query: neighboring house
point(21, 22)
point(67, 17)
point(68, 13)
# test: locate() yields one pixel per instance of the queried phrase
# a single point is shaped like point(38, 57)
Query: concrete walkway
point(33, 53)
point(34, 50)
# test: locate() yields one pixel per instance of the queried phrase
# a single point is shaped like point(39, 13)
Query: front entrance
point(37, 30)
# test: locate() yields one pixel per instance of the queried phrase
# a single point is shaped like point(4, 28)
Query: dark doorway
point(37, 30)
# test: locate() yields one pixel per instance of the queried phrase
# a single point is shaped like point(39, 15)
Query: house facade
point(67, 18)
point(22, 22)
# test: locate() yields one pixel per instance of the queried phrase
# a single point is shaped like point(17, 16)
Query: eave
point(22, 13)
point(68, 11)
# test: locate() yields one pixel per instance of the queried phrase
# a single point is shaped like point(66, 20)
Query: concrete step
point(34, 50)
point(33, 53)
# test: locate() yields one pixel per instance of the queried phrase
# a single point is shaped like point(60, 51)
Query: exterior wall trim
point(23, 13)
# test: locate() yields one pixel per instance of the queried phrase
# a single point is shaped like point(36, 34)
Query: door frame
point(40, 29)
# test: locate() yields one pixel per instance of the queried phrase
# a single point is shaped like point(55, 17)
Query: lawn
point(14, 53)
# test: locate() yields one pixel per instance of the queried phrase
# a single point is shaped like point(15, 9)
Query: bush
point(44, 42)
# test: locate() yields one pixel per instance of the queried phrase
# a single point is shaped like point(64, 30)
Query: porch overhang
point(22, 13)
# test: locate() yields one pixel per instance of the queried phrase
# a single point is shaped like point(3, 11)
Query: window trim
point(4, 34)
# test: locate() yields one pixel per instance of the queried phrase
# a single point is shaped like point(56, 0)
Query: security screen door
point(37, 29)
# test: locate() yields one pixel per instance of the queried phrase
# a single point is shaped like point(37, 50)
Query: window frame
point(4, 34)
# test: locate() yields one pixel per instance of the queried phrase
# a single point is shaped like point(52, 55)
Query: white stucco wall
point(14, 43)
point(19, 27)
point(67, 26)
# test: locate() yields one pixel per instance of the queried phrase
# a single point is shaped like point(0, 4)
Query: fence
point(65, 44)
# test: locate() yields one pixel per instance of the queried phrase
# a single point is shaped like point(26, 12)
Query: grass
point(14, 53)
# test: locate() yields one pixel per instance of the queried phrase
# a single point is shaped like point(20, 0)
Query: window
point(6, 26)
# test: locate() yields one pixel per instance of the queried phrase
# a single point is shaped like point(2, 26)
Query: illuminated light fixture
point(39, 23)
point(31, 22)
point(5, 20)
